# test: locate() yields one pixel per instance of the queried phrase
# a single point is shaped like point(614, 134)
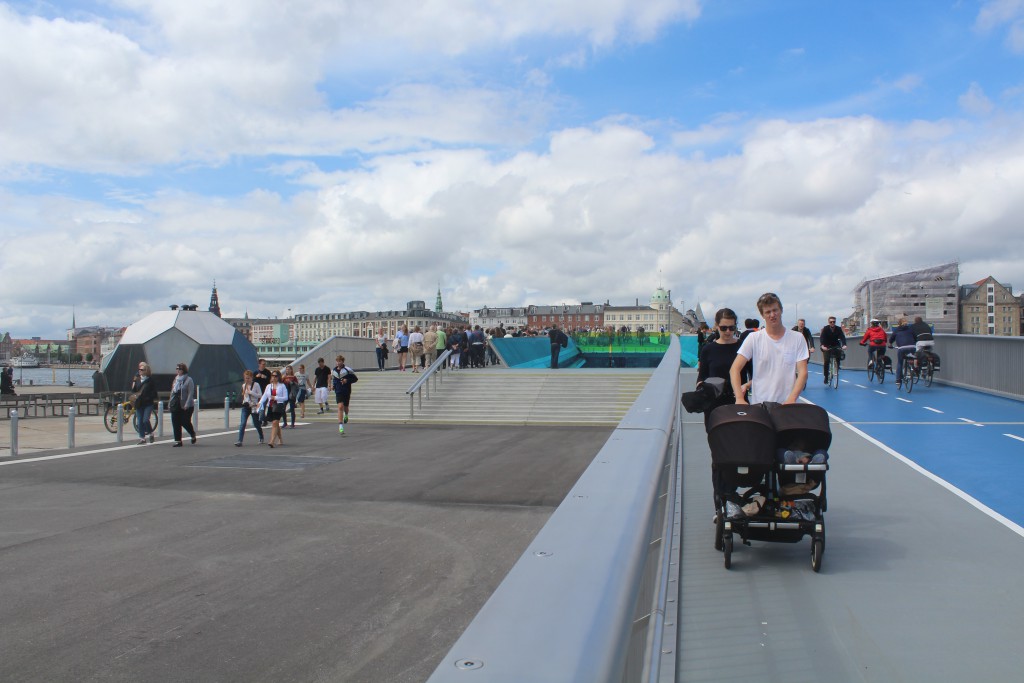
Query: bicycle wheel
point(929, 372)
point(880, 369)
point(871, 369)
point(908, 375)
point(110, 419)
point(833, 371)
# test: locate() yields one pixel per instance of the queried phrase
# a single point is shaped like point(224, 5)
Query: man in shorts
point(322, 375)
point(779, 356)
point(342, 391)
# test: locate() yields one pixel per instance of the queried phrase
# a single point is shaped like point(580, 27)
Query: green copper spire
point(438, 308)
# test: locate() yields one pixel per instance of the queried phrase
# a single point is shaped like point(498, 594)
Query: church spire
point(214, 301)
point(438, 308)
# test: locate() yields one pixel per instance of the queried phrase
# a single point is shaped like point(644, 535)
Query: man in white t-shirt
point(779, 357)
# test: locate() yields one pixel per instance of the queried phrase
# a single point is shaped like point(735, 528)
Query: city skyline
point(315, 156)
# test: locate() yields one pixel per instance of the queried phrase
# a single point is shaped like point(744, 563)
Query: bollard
point(227, 413)
point(71, 426)
point(120, 422)
point(160, 419)
point(14, 433)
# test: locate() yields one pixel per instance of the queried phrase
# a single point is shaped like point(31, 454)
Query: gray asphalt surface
point(363, 562)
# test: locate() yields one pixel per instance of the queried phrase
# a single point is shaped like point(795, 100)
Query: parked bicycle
point(129, 415)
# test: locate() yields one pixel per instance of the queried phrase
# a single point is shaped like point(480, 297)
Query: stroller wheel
point(817, 550)
point(719, 529)
point(727, 549)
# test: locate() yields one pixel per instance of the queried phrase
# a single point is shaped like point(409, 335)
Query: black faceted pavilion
point(215, 352)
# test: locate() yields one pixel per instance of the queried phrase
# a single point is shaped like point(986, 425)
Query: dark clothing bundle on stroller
point(766, 461)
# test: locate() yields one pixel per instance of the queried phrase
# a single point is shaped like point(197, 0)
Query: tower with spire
point(214, 301)
point(438, 308)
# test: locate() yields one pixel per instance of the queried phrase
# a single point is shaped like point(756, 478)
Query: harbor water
point(81, 379)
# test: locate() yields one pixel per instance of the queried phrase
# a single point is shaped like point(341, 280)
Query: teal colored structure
point(688, 350)
point(535, 352)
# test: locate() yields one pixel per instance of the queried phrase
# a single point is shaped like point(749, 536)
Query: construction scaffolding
point(931, 293)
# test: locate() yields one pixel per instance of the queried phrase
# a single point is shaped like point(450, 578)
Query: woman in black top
point(145, 400)
point(716, 357)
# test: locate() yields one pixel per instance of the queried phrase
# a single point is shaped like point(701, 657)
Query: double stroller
point(767, 461)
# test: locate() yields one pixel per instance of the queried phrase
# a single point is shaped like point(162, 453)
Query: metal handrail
point(434, 371)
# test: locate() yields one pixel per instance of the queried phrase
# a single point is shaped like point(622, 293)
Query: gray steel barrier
point(587, 600)
point(994, 365)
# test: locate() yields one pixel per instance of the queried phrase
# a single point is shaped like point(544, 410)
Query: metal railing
point(994, 365)
point(587, 600)
point(434, 374)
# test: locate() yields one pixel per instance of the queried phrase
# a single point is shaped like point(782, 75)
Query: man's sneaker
point(826, 380)
point(345, 420)
point(238, 443)
point(341, 429)
point(151, 439)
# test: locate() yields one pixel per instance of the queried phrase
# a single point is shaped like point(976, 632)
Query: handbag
point(175, 403)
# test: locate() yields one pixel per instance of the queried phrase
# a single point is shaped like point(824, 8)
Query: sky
point(339, 155)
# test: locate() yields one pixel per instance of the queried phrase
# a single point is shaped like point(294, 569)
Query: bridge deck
point(159, 564)
point(916, 584)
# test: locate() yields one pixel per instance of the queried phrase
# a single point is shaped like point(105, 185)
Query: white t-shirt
point(774, 364)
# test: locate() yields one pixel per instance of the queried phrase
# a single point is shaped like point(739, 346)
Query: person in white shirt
point(779, 357)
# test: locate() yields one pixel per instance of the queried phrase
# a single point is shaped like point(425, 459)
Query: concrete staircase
point(576, 397)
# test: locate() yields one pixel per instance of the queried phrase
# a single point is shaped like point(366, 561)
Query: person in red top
point(875, 339)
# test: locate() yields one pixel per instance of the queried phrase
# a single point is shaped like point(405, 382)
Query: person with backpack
point(343, 378)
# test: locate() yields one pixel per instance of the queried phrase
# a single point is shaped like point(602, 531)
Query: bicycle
point(128, 415)
point(835, 356)
point(876, 365)
point(910, 375)
point(925, 366)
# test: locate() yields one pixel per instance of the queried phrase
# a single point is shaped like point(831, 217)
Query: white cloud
point(975, 102)
point(997, 13)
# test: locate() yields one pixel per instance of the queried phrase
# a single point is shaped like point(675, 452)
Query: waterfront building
point(658, 314)
point(6, 347)
point(243, 325)
point(585, 316)
point(932, 293)
point(318, 327)
point(990, 308)
point(509, 317)
point(272, 331)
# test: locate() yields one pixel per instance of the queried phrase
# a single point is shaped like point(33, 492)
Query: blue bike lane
point(972, 441)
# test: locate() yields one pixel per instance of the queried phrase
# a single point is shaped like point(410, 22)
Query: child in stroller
point(767, 460)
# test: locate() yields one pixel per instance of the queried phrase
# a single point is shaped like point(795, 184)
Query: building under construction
point(930, 293)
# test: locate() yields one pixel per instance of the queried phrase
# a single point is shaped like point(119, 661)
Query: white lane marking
point(1014, 436)
point(934, 410)
point(970, 422)
point(860, 385)
point(844, 380)
point(971, 500)
point(881, 392)
point(905, 400)
point(110, 450)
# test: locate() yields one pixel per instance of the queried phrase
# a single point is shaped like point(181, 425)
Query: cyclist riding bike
point(831, 341)
point(874, 338)
point(902, 339)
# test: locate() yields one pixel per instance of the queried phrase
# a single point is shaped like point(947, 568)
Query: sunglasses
point(727, 328)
